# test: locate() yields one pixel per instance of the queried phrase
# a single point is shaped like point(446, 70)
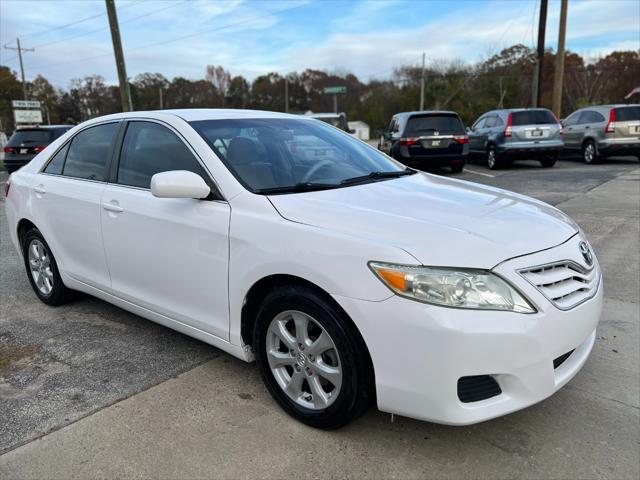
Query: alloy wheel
point(40, 266)
point(589, 153)
point(304, 360)
point(491, 158)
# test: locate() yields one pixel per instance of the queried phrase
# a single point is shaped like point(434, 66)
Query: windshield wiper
point(298, 187)
point(378, 176)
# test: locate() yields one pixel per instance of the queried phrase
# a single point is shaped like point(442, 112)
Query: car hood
point(440, 221)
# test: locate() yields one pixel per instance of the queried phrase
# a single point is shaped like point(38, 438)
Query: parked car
point(26, 143)
point(350, 279)
point(338, 120)
point(426, 139)
point(602, 131)
point(502, 136)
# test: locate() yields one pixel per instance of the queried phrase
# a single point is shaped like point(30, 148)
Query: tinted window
point(150, 148)
point(626, 114)
point(34, 137)
point(591, 117)
point(89, 152)
point(282, 152)
point(427, 124)
point(532, 117)
point(56, 163)
point(58, 132)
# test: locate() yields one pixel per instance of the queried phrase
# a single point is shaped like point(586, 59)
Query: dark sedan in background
point(26, 143)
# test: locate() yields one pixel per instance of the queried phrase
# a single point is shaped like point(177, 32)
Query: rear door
point(533, 125)
point(627, 120)
point(66, 197)
point(169, 255)
point(436, 134)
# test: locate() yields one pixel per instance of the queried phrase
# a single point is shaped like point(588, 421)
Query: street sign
point(25, 104)
point(334, 90)
point(31, 117)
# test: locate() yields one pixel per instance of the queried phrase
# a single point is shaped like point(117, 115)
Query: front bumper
point(420, 351)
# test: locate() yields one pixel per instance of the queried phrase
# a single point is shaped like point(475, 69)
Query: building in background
point(360, 129)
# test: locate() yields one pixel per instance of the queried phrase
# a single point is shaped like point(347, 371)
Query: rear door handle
point(112, 207)
point(40, 189)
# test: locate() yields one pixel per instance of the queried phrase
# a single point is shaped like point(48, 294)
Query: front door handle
point(112, 207)
point(40, 189)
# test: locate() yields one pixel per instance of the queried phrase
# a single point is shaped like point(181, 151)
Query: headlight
point(452, 287)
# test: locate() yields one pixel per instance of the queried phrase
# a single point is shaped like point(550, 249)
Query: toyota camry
point(349, 278)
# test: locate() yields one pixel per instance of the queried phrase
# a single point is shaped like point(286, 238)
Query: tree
point(40, 89)
point(10, 89)
point(220, 79)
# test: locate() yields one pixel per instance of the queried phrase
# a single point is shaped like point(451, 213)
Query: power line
point(153, 12)
point(75, 22)
point(210, 30)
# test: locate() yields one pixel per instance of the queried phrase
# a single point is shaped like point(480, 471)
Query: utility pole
point(286, 93)
point(161, 99)
point(558, 77)
point(20, 50)
point(536, 93)
point(125, 94)
point(422, 85)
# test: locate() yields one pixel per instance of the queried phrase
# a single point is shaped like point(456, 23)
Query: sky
point(252, 37)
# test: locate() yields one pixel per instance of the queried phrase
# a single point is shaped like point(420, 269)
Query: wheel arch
point(262, 287)
point(24, 225)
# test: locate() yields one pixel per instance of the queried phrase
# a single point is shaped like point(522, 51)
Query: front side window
point(89, 154)
point(293, 154)
point(479, 124)
point(149, 148)
point(572, 119)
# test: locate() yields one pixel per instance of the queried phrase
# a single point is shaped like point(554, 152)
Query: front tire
point(42, 270)
point(493, 162)
point(313, 363)
point(589, 152)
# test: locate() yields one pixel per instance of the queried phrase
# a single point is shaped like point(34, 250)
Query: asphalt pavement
point(88, 390)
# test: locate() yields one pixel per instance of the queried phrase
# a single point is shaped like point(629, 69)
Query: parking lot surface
point(88, 390)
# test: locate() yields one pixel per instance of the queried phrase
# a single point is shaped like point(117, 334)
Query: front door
point(169, 255)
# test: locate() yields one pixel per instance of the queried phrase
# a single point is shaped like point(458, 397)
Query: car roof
point(195, 114)
point(425, 112)
point(44, 127)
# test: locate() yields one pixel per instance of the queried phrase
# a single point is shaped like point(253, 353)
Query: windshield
point(532, 117)
point(30, 137)
point(281, 155)
point(427, 124)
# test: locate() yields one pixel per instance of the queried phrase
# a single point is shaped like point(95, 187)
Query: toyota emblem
point(586, 253)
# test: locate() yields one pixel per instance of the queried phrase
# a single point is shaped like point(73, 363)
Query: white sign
point(28, 116)
point(25, 104)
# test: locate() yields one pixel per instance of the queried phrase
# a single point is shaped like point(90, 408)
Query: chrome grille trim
point(565, 284)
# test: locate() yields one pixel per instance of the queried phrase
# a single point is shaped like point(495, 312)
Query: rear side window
point(591, 117)
point(428, 124)
point(57, 162)
point(30, 138)
point(89, 152)
point(627, 114)
point(149, 148)
point(532, 117)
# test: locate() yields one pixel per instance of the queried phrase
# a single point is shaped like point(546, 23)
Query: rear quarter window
point(627, 114)
point(427, 124)
point(532, 117)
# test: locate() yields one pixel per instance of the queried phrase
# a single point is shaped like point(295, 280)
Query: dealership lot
point(122, 396)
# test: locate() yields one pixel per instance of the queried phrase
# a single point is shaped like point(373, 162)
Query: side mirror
point(468, 130)
point(351, 131)
point(179, 184)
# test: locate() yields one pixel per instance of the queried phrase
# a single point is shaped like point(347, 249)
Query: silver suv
point(502, 136)
point(603, 131)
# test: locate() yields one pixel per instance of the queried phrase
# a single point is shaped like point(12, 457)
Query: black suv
point(426, 139)
point(26, 143)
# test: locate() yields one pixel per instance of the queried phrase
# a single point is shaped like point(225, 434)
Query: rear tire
point(589, 152)
point(42, 269)
point(299, 370)
point(493, 162)
point(548, 162)
point(457, 168)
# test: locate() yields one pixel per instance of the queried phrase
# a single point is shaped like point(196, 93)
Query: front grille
point(561, 359)
point(477, 387)
point(566, 284)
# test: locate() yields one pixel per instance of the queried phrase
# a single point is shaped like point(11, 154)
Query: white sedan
point(348, 277)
